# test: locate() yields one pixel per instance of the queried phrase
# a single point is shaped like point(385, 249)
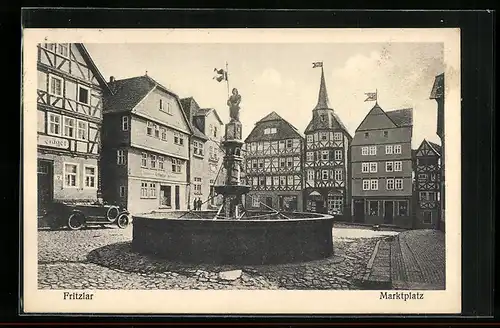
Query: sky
point(280, 78)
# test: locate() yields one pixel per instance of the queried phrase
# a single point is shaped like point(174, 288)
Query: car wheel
point(76, 221)
point(112, 213)
point(123, 221)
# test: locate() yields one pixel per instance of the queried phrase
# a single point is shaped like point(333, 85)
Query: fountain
point(234, 235)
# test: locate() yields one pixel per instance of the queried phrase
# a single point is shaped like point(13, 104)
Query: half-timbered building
point(206, 154)
point(326, 163)
point(382, 168)
point(70, 93)
point(273, 165)
point(427, 166)
point(146, 137)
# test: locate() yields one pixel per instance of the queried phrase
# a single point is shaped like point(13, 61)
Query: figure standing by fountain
point(234, 105)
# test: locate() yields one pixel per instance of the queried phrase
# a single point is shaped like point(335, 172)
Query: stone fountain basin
point(197, 238)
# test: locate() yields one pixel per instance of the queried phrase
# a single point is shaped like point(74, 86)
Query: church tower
point(327, 170)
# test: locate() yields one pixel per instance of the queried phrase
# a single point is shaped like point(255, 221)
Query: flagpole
point(227, 79)
point(376, 95)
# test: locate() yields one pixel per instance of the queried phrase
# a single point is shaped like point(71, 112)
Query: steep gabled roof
point(435, 147)
point(197, 133)
point(401, 117)
point(285, 130)
point(128, 93)
point(323, 102)
point(332, 122)
point(86, 56)
point(206, 112)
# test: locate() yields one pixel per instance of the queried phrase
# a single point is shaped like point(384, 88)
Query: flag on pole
point(221, 75)
point(371, 96)
point(317, 64)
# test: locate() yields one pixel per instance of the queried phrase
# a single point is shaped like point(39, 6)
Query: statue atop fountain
point(233, 190)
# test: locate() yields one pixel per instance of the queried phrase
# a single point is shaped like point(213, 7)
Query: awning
point(314, 193)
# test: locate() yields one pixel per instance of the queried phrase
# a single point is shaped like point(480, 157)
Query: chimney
point(111, 79)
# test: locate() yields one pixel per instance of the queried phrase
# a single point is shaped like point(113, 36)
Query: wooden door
point(359, 211)
point(388, 211)
point(45, 184)
point(177, 198)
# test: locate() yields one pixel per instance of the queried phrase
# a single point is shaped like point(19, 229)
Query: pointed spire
point(323, 96)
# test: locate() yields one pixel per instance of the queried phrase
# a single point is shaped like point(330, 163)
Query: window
point(83, 95)
point(364, 151)
point(338, 155)
point(427, 217)
point(169, 108)
point(367, 135)
point(389, 149)
point(70, 175)
point(433, 176)
point(324, 174)
point(386, 134)
point(157, 131)
point(144, 190)
point(152, 161)
point(262, 181)
point(120, 157)
point(422, 176)
point(152, 190)
point(389, 166)
point(254, 163)
point(309, 138)
point(398, 166)
point(282, 162)
point(215, 132)
point(163, 133)
point(149, 128)
point(397, 149)
point(69, 127)
point(399, 184)
point(309, 156)
point(144, 160)
point(323, 136)
point(366, 184)
point(289, 143)
point(254, 181)
point(268, 181)
point(337, 136)
point(56, 86)
point(122, 191)
point(289, 162)
point(373, 150)
point(365, 167)
point(198, 148)
point(261, 163)
point(178, 139)
point(373, 207)
point(389, 184)
point(62, 49)
point(282, 180)
point(276, 180)
point(49, 46)
point(290, 180)
point(335, 204)
point(374, 184)
point(324, 155)
point(90, 176)
point(54, 124)
point(323, 117)
point(161, 163)
point(402, 208)
point(161, 104)
point(310, 175)
point(255, 201)
point(338, 175)
point(82, 130)
point(269, 130)
point(125, 123)
point(176, 165)
point(373, 167)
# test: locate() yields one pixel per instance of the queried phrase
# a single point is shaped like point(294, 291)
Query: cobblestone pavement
point(101, 258)
point(419, 260)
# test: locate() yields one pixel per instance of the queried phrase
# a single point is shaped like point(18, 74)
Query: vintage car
point(78, 215)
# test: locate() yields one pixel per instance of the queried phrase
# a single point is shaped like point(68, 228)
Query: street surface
point(101, 258)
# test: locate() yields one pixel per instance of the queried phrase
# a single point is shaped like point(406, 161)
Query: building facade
point(146, 147)
point(437, 93)
point(70, 93)
point(273, 165)
point(206, 154)
point(326, 161)
point(427, 164)
point(382, 168)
